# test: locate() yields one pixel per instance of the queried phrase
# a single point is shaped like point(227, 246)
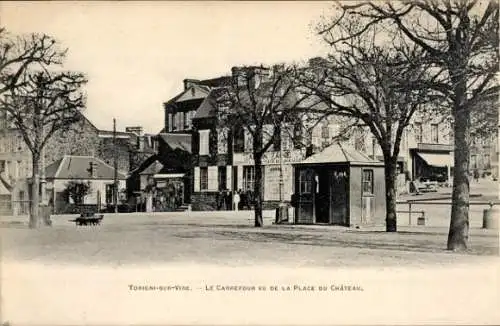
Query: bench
point(88, 216)
point(87, 220)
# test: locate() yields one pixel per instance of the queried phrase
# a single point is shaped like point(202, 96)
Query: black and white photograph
point(249, 162)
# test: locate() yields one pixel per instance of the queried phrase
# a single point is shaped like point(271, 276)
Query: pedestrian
point(220, 199)
point(250, 199)
point(236, 200)
point(476, 175)
point(228, 200)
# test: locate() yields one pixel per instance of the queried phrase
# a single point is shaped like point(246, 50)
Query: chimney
point(189, 82)
point(136, 130)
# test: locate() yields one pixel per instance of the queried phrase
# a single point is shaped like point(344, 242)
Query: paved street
point(229, 239)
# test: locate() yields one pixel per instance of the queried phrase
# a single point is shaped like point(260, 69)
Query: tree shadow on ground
point(344, 239)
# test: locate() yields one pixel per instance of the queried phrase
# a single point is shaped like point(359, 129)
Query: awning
point(439, 160)
point(168, 175)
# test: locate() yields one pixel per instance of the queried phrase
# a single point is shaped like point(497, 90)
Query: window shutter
point(212, 178)
point(229, 176)
point(196, 179)
point(204, 139)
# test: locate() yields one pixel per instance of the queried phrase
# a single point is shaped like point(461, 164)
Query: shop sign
point(293, 156)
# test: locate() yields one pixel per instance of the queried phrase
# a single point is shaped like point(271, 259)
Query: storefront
point(432, 165)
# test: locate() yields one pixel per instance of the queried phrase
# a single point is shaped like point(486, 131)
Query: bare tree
point(45, 103)
point(461, 39)
point(266, 103)
point(20, 53)
point(377, 87)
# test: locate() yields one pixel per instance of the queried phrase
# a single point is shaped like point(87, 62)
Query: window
point(277, 141)
point(222, 141)
point(248, 177)
point(187, 119)
point(306, 182)
point(222, 175)
point(204, 142)
point(367, 182)
point(272, 183)
point(239, 140)
point(248, 141)
point(487, 162)
point(297, 135)
point(473, 161)
point(286, 141)
point(203, 178)
point(180, 120)
point(170, 122)
point(418, 132)
point(109, 194)
point(434, 133)
point(325, 132)
point(2, 165)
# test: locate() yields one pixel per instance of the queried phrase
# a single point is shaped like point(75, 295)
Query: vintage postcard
point(249, 163)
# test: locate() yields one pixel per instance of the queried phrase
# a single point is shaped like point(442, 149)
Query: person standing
point(236, 200)
point(219, 199)
point(228, 200)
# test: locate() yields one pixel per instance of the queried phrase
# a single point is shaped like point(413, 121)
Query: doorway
point(339, 197)
point(322, 194)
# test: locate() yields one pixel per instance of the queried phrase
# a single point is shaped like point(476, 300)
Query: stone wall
point(82, 140)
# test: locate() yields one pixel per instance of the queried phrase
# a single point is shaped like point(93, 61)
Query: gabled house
point(88, 169)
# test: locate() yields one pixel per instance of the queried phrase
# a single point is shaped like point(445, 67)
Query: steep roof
point(76, 167)
point(177, 141)
point(5, 188)
point(338, 153)
point(154, 168)
point(207, 108)
point(194, 92)
point(217, 82)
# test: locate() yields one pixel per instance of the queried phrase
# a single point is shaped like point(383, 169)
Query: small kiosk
point(340, 186)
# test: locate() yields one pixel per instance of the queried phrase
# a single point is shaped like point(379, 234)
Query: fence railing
point(14, 207)
point(437, 201)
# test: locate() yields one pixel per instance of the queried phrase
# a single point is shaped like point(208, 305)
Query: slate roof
point(338, 153)
point(5, 188)
point(76, 167)
point(177, 141)
point(207, 108)
point(154, 168)
point(200, 92)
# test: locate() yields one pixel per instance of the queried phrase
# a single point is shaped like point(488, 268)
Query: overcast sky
point(136, 54)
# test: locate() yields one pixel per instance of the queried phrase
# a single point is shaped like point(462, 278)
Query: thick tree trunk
point(390, 194)
point(458, 235)
point(258, 192)
point(34, 221)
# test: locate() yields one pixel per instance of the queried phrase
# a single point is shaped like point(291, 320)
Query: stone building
point(82, 139)
point(222, 159)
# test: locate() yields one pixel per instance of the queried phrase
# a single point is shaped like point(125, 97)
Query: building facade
point(82, 139)
point(222, 156)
